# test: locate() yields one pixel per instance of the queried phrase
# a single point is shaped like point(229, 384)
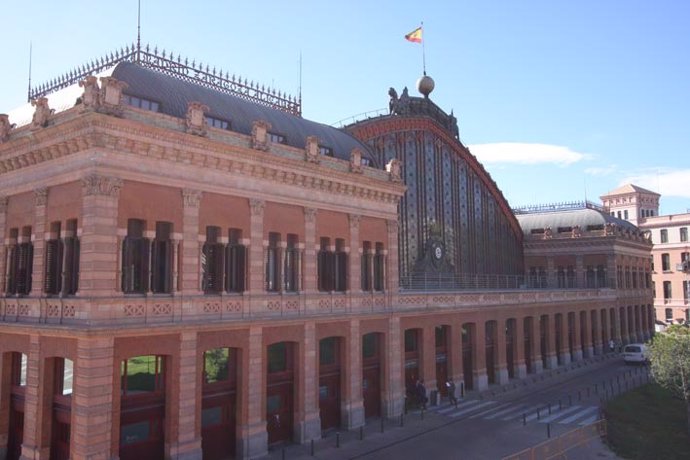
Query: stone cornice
point(91, 130)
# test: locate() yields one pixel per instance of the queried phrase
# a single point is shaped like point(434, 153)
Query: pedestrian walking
point(612, 346)
point(421, 394)
point(450, 386)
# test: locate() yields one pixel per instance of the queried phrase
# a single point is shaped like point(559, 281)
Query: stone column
point(551, 275)
point(98, 252)
point(455, 355)
point(256, 252)
point(352, 404)
point(37, 405)
point(355, 255)
point(392, 277)
point(481, 380)
point(551, 352)
point(3, 247)
point(393, 399)
point(253, 442)
point(501, 366)
point(623, 321)
point(594, 323)
point(519, 349)
point(310, 275)
point(190, 256)
point(578, 346)
point(564, 351)
point(580, 272)
point(39, 234)
point(535, 346)
point(186, 442)
point(309, 423)
point(92, 400)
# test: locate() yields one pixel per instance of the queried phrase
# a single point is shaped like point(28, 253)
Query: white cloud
point(666, 181)
point(526, 154)
point(602, 171)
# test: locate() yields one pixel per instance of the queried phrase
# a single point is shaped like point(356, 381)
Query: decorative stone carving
point(354, 221)
point(310, 215)
point(41, 114)
point(5, 127)
point(41, 196)
point(394, 170)
point(260, 130)
point(548, 233)
point(94, 184)
point(91, 97)
point(392, 226)
point(311, 150)
point(609, 228)
point(3, 203)
point(356, 161)
point(191, 198)
point(196, 120)
point(111, 95)
point(576, 232)
point(256, 207)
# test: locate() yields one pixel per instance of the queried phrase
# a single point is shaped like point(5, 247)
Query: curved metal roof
point(584, 217)
point(174, 94)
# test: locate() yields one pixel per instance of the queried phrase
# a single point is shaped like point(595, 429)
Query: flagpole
point(423, 50)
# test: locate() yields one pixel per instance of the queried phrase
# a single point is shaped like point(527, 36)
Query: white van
point(635, 353)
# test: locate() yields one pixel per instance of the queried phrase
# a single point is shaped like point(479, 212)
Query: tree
point(670, 362)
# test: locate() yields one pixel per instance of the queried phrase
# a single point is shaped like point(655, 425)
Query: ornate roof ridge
point(557, 207)
point(169, 64)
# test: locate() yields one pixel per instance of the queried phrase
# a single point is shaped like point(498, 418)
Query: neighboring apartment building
point(191, 269)
point(671, 251)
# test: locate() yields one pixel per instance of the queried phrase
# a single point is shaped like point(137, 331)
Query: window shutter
point(13, 269)
point(51, 267)
point(142, 259)
point(71, 275)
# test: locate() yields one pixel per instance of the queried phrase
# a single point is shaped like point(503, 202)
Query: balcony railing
point(467, 281)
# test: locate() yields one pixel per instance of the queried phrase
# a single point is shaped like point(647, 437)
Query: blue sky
point(560, 100)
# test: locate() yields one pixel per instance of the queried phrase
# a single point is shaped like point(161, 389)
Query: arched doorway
point(280, 389)
point(490, 351)
point(17, 382)
point(219, 403)
point(442, 334)
point(510, 347)
point(63, 370)
point(372, 366)
point(527, 325)
point(468, 338)
point(330, 377)
point(412, 339)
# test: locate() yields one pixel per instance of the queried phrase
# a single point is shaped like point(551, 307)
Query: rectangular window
point(570, 275)
point(668, 294)
point(325, 262)
point(135, 258)
point(277, 138)
point(369, 345)
point(664, 236)
point(142, 374)
point(273, 263)
point(277, 357)
point(21, 262)
point(70, 264)
point(684, 234)
point(216, 365)
point(340, 266)
point(686, 284)
point(665, 262)
point(161, 259)
point(625, 214)
point(141, 103)
point(379, 268)
point(590, 277)
point(19, 369)
point(326, 151)
point(212, 262)
point(328, 349)
point(235, 262)
point(366, 263)
point(52, 277)
point(292, 261)
point(560, 276)
point(217, 123)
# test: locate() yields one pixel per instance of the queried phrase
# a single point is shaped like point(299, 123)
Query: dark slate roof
point(174, 94)
point(584, 217)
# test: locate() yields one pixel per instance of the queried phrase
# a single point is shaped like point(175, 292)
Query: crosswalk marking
point(559, 414)
point(580, 414)
point(471, 409)
point(446, 409)
point(489, 411)
point(589, 420)
point(506, 411)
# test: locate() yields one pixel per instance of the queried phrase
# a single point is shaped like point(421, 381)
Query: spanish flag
point(415, 36)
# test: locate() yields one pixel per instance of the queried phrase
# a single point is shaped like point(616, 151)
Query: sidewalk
point(380, 433)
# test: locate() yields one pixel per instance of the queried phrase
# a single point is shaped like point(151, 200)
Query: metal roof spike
point(179, 59)
point(207, 68)
point(155, 49)
point(193, 63)
point(186, 62)
point(147, 48)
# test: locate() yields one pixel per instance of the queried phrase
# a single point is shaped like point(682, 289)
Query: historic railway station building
point(191, 269)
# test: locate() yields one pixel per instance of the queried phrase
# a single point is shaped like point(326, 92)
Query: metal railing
point(471, 281)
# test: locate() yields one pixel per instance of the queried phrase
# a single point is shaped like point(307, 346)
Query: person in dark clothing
point(421, 394)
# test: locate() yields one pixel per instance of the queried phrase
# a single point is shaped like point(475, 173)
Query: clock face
point(438, 252)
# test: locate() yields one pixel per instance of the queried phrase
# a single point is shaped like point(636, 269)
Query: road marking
point(471, 409)
point(451, 408)
point(589, 420)
point(506, 411)
point(543, 411)
point(559, 414)
point(580, 414)
point(489, 411)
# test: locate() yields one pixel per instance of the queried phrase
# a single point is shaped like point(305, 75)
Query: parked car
point(635, 353)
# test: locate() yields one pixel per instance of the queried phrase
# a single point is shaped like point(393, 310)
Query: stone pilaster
point(253, 442)
point(186, 442)
point(39, 231)
point(392, 278)
point(519, 349)
point(623, 321)
point(501, 364)
point(310, 243)
point(481, 380)
point(256, 246)
point(551, 275)
point(308, 420)
point(393, 400)
point(92, 399)
point(190, 273)
point(355, 256)
point(98, 243)
point(3, 249)
point(578, 346)
point(579, 272)
point(352, 404)
point(551, 352)
point(37, 405)
point(455, 354)
point(535, 346)
point(428, 356)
